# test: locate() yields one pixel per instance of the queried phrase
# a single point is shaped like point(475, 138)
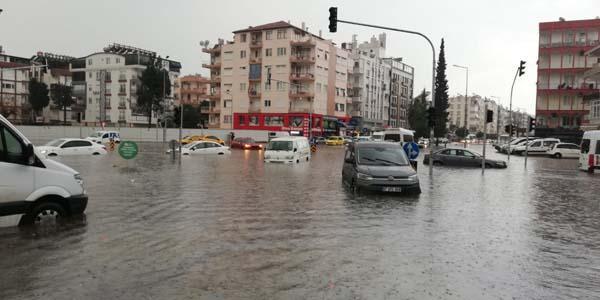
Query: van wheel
point(44, 213)
point(557, 155)
point(307, 158)
point(297, 161)
point(95, 153)
point(488, 166)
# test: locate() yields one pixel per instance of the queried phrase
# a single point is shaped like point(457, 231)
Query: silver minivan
point(379, 166)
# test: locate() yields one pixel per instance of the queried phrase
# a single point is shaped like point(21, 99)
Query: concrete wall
point(42, 134)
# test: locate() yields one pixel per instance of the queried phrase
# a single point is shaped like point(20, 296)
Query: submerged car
point(245, 143)
point(67, 146)
point(203, 147)
point(379, 166)
point(334, 141)
point(461, 157)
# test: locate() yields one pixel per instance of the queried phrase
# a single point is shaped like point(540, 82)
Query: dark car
point(379, 166)
point(461, 157)
point(246, 143)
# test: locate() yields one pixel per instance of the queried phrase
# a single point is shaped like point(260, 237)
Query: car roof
point(371, 144)
point(289, 138)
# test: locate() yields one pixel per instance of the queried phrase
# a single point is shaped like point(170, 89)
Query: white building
point(373, 74)
point(108, 83)
point(15, 73)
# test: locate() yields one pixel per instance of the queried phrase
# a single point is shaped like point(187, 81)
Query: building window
point(267, 103)
point(243, 38)
point(227, 103)
point(90, 74)
point(90, 61)
point(227, 119)
point(118, 60)
point(281, 51)
point(108, 60)
point(280, 86)
point(268, 52)
point(122, 89)
point(253, 121)
point(595, 109)
point(269, 34)
point(243, 54)
point(566, 101)
point(267, 86)
point(242, 87)
point(228, 71)
point(318, 87)
point(281, 34)
point(228, 55)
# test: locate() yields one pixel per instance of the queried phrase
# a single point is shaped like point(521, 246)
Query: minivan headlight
point(413, 178)
point(289, 157)
point(79, 179)
point(364, 176)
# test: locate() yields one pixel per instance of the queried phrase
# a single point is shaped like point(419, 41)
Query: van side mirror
point(29, 154)
point(295, 149)
point(349, 160)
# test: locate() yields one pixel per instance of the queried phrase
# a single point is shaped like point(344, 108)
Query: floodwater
point(235, 228)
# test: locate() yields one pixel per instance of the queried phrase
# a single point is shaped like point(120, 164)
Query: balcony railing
point(310, 42)
point(211, 50)
point(593, 72)
point(213, 65)
point(256, 60)
point(302, 76)
point(255, 44)
point(254, 109)
point(300, 94)
point(570, 44)
point(254, 94)
point(302, 59)
point(215, 95)
point(215, 79)
point(122, 105)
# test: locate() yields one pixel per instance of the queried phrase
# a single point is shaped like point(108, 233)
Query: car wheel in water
point(44, 213)
point(437, 163)
point(557, 155)
point(488, 166)
point(95, 153)
point(297, 161)
point(52, 154)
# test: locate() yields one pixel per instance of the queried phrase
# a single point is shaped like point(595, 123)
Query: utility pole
point(510, 115)
point(333, 20)
point(484, 136)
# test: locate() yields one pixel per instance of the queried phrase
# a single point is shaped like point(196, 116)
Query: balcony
point(254, 109)
point(299, 110)
point(255, 44)
point(122, 105)
point(305, 43)
point(212, 50)
point(215, 95)
point(302, 76)
point(256, 60)
point(254, 79)
point(302, 59)
point(563, 89)
point(215, 79)
point(254, 94)
point(593, 73)
point(213, 65)
point(301, 94)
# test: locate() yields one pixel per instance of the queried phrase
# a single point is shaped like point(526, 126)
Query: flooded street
point(235, 228)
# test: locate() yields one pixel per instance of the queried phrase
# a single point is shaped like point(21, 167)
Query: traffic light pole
point(431, 139)
point(510, 114)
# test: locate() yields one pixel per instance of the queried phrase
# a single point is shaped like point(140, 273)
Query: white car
point(566, 150)
point(66, 147)
point(539, 146)
point(104, 137)
point(203, 147)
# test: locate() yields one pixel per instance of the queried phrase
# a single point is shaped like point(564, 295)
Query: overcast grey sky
point(490, 37)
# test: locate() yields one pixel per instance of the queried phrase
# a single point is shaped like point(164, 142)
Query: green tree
point(155, 84)
point(38, 96)
point(417, 115)
point(62, 96)
point(462, 132)
point(441, 95)
point(191, 116)
point(479, 135)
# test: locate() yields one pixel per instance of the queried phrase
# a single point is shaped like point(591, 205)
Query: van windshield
point(280, 146)
point(55, 143)
point(381, 155)
point(96, 134)
point(393, 137)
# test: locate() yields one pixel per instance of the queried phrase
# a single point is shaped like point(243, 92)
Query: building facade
point(107, 82)
point(15, 73)
point(278, 77)
point(194, 90)
point(593, 74)
point(562, 89)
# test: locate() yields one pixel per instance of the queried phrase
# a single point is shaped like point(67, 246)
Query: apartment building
point(192, 89)
point(278, 76)
point(107, 82)
point(563, 90)
point(593, 74)
point(382, 87)
point(475, 114)
point(15, 73)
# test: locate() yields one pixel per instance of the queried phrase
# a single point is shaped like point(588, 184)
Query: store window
point(253, 121)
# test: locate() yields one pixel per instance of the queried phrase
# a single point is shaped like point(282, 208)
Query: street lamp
point(466, 95)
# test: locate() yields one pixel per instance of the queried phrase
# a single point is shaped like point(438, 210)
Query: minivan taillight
point(591, 160)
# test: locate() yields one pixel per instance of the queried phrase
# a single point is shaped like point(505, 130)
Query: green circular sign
point(128, 149)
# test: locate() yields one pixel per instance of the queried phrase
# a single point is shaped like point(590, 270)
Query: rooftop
point(271, 26)
point(574, 24)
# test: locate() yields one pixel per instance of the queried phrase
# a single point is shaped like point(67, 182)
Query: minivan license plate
point(392, 189)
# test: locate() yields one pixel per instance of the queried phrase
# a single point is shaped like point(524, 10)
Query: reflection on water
point(233, 227)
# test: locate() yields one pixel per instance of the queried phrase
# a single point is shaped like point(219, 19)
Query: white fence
point(39, 134)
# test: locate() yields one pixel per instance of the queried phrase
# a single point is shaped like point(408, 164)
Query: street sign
point(128, 149)
point(411, 149)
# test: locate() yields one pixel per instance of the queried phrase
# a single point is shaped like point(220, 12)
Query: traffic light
point(507, 128)
point(531, 123)
point(431, 117)
point(333, 19)
point(522, 68)
point(489, 117)
point(513, 130)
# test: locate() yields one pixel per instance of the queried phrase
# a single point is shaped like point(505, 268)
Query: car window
point(561, 146)
point(200, 146)
point(447, 152)
point(573, 146)
point(585, 146)
point(549, 143)
point(468, 153)
point(392, 137)
point(212, 137)
point(83, 143)
point(70, 144)
point(105, 136)
point(55, 143)
point(10, 147)
point(380, 155)
point(536, 144)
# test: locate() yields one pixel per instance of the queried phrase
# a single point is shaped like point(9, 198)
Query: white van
point(398, 135)
point(288, 150)
point(41, 189)
point(589, 157)
point(104, 137)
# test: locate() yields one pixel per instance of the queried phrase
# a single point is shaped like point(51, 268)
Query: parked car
point(461, 157)
point(30, 184)
point(203, 147)
point(194, 138)
point(516, 142)
point(535, 147)
point(334, 141)
point(348, 140)
point(245, 143)
point(213, 138)
point(288, 150)
point(589, 157)
point(379, 166)
point(360, 139)
point(564, 150)
point(67, 146)
point(103, 137)
point(320, 140)
point(423, 143)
